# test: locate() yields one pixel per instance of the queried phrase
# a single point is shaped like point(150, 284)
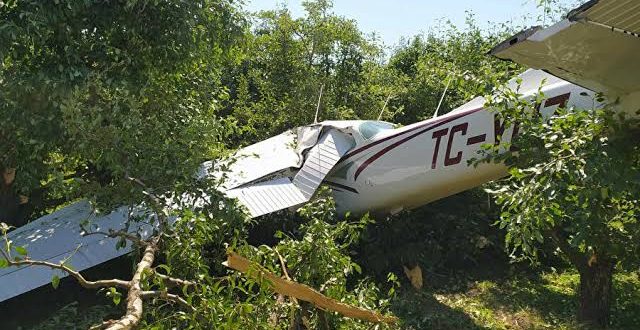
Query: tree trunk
point(595, 292)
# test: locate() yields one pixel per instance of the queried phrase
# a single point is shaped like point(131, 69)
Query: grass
point(522, 301)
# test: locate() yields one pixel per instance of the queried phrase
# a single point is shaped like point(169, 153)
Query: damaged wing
point(258, 160)
point(272, 175)
point(596, 46)
point(284, 183)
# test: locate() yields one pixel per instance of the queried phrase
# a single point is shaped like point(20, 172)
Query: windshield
point(369, 129)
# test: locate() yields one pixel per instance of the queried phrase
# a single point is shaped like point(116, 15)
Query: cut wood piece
point(414, 275)
point(301, 291)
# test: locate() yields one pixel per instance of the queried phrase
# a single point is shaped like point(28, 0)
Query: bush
point(453, 233)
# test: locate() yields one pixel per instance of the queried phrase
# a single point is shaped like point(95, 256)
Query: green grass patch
point(522, 301)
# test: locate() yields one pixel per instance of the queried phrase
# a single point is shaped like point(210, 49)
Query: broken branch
point(301, 291)
point(172, 281)
point(134, 297)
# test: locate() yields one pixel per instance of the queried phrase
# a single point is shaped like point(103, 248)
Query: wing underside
point(596, 46)
point(58, 238)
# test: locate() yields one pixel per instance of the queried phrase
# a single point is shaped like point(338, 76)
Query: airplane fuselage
point(423, 162)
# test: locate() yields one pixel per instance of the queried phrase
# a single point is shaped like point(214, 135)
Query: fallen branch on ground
point(301, 291)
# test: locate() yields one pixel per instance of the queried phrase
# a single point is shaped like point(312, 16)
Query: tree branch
point(133, 314)
point(85, 284)
point(293, 315)
point(163, 294)
point(172, 281)
point(159, 206)
point(577, 259)
point(302, 292)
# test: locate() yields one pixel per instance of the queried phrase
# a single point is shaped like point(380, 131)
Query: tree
point(115, 102)
point(449, 57)
point(94, 92)
point(277, 82)
point(574, 180)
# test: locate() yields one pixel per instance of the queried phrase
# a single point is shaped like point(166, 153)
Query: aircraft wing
point(282, 172)
point(256, 161)
point(319, 147)
point(57, 237)
point(596, 47)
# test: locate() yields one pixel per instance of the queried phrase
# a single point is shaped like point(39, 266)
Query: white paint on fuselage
point(420, 163)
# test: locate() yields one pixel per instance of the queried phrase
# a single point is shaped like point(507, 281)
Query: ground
point(523, 301)
point(517, 300)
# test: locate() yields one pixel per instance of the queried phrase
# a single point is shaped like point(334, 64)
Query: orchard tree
point(288, 61)
point(574, 180)
point(448, 57)
point(93, 92)
point(116, 102)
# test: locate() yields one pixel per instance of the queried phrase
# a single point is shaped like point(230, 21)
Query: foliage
point(448, 55)
point(228, 300)
point(277, 82)
point(574, 180)
point(94, 92)
point(553, 10)
point(574, 176)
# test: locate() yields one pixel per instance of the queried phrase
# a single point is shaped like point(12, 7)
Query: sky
point(392, 19)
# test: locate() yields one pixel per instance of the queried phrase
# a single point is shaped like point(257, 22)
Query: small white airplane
point(374, 166)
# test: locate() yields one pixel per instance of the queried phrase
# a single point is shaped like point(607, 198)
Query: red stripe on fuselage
point(390, 147)
point(375, 143)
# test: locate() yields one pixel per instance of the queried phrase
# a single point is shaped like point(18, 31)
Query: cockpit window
point(369, 129)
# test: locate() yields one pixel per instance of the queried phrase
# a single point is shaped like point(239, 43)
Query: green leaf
point(617, 225)
point(21, 250)
point(4, 263)
point(55, 281)
point(116, 296)
point(604, 192)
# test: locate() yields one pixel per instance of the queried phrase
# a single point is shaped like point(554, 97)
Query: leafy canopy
point(574, 179)
point(93, 92)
